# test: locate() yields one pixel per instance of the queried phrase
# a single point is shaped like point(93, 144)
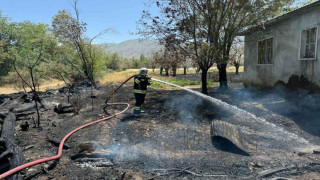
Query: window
point(265, 51)
point(308, 44)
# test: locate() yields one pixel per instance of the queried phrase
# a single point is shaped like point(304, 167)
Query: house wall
point(286, 47)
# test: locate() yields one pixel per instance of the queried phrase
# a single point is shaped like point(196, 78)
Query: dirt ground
point(171, 140)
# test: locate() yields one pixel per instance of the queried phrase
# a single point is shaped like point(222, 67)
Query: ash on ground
point(172, 139)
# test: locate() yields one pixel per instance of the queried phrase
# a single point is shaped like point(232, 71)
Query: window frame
point(316, 44)
point(269, 64)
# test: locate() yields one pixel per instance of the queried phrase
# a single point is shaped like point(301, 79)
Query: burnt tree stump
point(12, 151)
point(26, 107)
point(63, 108)
point(3, 114)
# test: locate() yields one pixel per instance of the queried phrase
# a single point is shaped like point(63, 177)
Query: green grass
point(182, 82)
point(156, 84)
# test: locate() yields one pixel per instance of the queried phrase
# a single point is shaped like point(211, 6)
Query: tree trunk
point(38, 113)
point(91, 99)
point(68, 95)
point(185, 70)
point(197, 70)
point(153, 69)
point(12, 150)
point(90, 78)
point(223, 75)
point(24, 88)
point(167, 71)
point(204, 81)
point(237, 69)
point(93, 82)
point(161, 70)
point(174, 71)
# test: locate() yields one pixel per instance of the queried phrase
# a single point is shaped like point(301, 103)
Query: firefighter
point(141, 81)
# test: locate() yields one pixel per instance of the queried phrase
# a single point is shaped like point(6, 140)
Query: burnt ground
point(173, 135)
point(296, 111)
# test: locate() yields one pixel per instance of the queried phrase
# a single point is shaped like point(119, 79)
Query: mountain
point(133, 48)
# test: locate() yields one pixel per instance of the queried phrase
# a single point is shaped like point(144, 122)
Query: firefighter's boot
point(136, 110)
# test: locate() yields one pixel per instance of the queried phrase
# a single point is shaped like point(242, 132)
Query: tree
point(169, 59)
point(206, 28)
point(186, 64)
point(29, 55)
point(113, 62)
point(236, 56)
point(8, 37)
point(125, 63)
point(135, 63)
point(290, 6)
point(144, 61)
point(182, 26)
point(153, 62)
point(161, 58)
point(71, 31)
point(176, 58)
point(157, 60)
point(98, 58)
point(65, 67)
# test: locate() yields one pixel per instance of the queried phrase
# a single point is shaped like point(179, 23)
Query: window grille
point(265, 48)
point(308, 44)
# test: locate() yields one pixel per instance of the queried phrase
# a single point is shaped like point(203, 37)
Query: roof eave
point(278, 19)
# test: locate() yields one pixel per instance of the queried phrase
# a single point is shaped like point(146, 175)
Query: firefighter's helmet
point(143, 71)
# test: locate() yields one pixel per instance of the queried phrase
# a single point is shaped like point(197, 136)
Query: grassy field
point(123, 75)
point(52, 84)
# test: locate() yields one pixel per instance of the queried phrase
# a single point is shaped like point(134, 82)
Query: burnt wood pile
point(11, 154)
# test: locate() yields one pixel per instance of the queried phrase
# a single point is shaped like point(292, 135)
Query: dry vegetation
point(50, 84)
point(111, 78)
point(123, 75)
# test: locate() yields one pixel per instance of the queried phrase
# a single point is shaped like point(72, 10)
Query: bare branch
point(39, 57)
point(16, 70)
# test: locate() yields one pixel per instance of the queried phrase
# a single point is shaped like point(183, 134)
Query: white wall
point(286, 47)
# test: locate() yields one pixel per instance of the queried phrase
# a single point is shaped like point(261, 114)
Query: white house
point(285, 46)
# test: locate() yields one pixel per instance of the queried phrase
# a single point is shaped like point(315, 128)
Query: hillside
point(133, 48)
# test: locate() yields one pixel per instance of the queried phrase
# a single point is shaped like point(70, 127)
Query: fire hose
point(104, 109)
point(19, 168)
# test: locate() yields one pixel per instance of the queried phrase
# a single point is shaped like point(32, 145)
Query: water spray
point(274, 131)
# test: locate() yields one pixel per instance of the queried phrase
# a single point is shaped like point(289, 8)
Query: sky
point(119, 15)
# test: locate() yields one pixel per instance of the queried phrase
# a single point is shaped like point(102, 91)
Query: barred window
point(308, 43)
point(265, 51)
